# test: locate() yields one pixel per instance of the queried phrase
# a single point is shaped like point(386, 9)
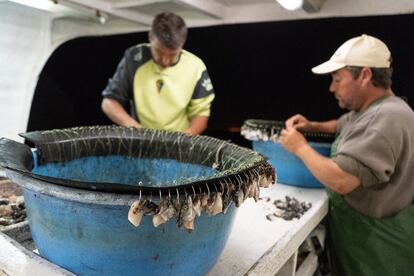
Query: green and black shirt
point(161, 98)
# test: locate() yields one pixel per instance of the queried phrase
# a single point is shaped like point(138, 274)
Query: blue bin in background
point(290, 169)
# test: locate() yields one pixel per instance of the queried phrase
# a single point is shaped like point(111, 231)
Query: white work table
point(257, 246)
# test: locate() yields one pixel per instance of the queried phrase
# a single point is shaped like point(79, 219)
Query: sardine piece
point(252, 189)
point(264, 182)
point(209, 208)
point(140, 208)
point(177, 205)
point(169, 212)
point(204, 201)
point(271, 217)
point(5, 222)
point(245, 189)
point(188, 226)
point(136, 213)
point(197, 205)
point(238, 197)
point(187, 215)
point(218, 204)
point(166, 211)
point(265, 199)
point(256, 192)
point(215, 205)
point(158, 220)
point(149, 207)
point(226, 201)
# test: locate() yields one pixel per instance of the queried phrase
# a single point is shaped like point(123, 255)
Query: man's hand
point(115, 111)
point(134, 124)
point(292, 140)
point(299, 122)
point(323, 168)
point(197, 125)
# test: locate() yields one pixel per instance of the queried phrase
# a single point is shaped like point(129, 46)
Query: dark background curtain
point(259, 70)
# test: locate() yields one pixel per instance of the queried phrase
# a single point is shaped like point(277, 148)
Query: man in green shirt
point(159, 84)
point(370, 175)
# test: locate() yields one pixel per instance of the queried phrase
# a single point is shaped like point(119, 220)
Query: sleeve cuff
point(356, 168)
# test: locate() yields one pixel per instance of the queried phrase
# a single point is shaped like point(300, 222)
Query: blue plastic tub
point(80, 183)
point(88, 233)
point(290, 169)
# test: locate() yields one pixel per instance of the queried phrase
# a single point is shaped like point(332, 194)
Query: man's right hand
point(115, 111)
point(134, 124)
point(298, 121)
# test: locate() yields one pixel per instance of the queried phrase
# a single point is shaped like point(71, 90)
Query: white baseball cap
point(362, 51)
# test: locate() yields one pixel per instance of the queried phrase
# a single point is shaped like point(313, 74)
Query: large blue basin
point(88, 233)
point(79, 184)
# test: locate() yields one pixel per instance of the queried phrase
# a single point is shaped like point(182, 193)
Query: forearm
point(327, 171)
point(326, 126)
point(197, 125)
point(117, 114)
point(300, 122)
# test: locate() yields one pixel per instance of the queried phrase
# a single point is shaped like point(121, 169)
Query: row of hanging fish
point(260, 134)
point(186, 208)
point(266, 130)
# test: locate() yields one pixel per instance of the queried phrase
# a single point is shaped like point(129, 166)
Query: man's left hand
point(292, 139)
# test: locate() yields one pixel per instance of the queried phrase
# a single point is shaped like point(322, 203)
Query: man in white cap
point(370, 175)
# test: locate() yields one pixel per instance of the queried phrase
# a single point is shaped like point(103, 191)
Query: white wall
point(24, 40)
point(27, 38)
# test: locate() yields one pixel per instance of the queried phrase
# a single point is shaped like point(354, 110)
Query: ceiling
point(216, 12)
point(143, 11)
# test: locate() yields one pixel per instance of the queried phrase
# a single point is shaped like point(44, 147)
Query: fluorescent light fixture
point(65, 8)
point(45, 5)
point(309, 6)
point(291, 5)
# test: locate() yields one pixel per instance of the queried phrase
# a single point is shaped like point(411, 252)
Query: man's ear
point(365, 76)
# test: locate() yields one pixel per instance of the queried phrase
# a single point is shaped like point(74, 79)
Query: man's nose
point(166, 61)
point(332, 87)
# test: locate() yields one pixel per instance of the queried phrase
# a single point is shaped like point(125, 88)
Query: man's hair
point(169, 29)
point(381, 77)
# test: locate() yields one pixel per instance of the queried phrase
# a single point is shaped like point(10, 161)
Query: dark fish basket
point(290, 169)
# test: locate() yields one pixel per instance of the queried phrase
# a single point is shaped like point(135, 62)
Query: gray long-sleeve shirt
point(377, 146)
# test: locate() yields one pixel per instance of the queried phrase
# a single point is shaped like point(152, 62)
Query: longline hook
point(208, 190)
point(178, 195)
point(239, 180)
point(222, 187)
point(194, 193)
point(228, 186)
point(257, 175)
